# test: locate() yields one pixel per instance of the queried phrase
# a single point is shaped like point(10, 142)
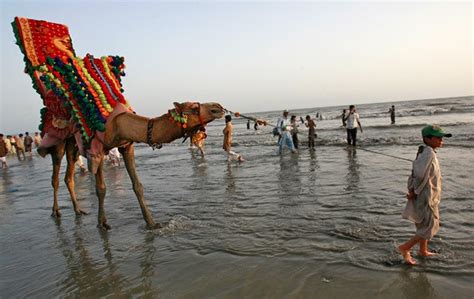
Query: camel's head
point(197, 114)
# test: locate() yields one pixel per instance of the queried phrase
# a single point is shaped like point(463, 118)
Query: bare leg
point(100, 192)
point(128, 154)
point(57, 153)
point(424, 249)
point(71, 157)
point(201, 150)
point(404, 249)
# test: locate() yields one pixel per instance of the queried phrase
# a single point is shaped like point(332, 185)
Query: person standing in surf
point(3, 152)
point(311, 124)
point(343, 117)
point(424, 194)
point(284, 130)
point(352, 123)
point(392, 114)
point(227, 146)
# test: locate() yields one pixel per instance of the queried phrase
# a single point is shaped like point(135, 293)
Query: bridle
point(180, 118)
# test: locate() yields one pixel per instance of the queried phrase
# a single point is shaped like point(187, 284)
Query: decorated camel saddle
point(79, 94)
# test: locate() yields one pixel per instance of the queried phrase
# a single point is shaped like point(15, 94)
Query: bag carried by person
point(275, 132)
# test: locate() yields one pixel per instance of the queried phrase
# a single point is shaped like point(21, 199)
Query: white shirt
point(352, 120)
point(283, 124)
point(426, 182)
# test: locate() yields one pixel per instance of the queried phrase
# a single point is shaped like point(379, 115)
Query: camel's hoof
point(104, 226)
point(56, 214)
point(81, 212)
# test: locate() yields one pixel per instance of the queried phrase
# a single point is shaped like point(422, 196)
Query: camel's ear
point(177, 106)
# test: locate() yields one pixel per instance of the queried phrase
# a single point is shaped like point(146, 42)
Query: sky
point(253, 56)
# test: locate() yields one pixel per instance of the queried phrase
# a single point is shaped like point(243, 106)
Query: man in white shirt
point(352, 123)
point(284, 129)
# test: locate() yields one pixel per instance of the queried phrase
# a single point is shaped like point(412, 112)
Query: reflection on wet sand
point(87, 277)
point(411, 284)
point(199, 167)
point(353, 174)
point(289, 177)
point(229, 179)
point(313, 173)
point(147, 264)
point(7, 181)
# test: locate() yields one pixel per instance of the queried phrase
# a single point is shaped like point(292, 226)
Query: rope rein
point(391, 156)
point(149, 133)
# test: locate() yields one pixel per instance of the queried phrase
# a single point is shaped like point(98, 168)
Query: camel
point(122, 131)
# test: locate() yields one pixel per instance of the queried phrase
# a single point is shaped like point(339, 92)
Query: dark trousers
point(352, 136)
point(311, 140)
point(294, 136)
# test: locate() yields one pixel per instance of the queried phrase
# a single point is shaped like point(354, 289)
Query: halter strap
point(149, 133)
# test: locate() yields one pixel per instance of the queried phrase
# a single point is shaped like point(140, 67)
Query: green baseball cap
point(434, 130)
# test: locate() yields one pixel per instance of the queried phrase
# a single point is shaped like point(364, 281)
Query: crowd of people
point(19, 145)
point(22, 145)
point(287, 131)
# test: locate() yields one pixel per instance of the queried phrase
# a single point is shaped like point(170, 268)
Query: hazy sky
point(254, 56)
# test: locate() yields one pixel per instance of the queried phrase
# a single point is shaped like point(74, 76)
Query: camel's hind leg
point(71, 157)
point(57, 153)
point(100, 191)
point(128, 154)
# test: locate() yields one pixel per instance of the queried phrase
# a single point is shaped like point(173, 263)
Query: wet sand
point(311, 225)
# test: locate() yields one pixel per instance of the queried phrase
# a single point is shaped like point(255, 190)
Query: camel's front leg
point(71, 156)
point(57, 154)
point(128, 154)
point(100, 191)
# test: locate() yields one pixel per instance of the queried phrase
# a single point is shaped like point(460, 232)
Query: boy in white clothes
point(424, 194)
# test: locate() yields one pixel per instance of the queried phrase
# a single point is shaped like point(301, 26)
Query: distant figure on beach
point(228, 141)
point(352, 123)
point(198, 139)
point(12, 144)
point(28, 141)
point(80, 163)
point(392, 114)
point(248, 124)
point(255, 126)
point(284, 130)
point(3, 152)
point(424, 193)
point(311, 124)
point(294, 131)
point(37, 139)
point(343, 117)
point(114, 156)
point(8, 144)
point(20, 147)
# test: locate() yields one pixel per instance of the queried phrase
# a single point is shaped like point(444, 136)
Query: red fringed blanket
point(79, 94)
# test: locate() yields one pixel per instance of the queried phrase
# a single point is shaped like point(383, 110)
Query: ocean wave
point(407, 126)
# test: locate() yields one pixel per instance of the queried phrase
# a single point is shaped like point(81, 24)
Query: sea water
point(315, 224)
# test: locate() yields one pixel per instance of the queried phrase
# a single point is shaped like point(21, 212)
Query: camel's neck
point(135, 128)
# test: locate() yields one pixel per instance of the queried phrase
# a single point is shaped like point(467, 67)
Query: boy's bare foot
point(426, 253)
point(406, 255)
